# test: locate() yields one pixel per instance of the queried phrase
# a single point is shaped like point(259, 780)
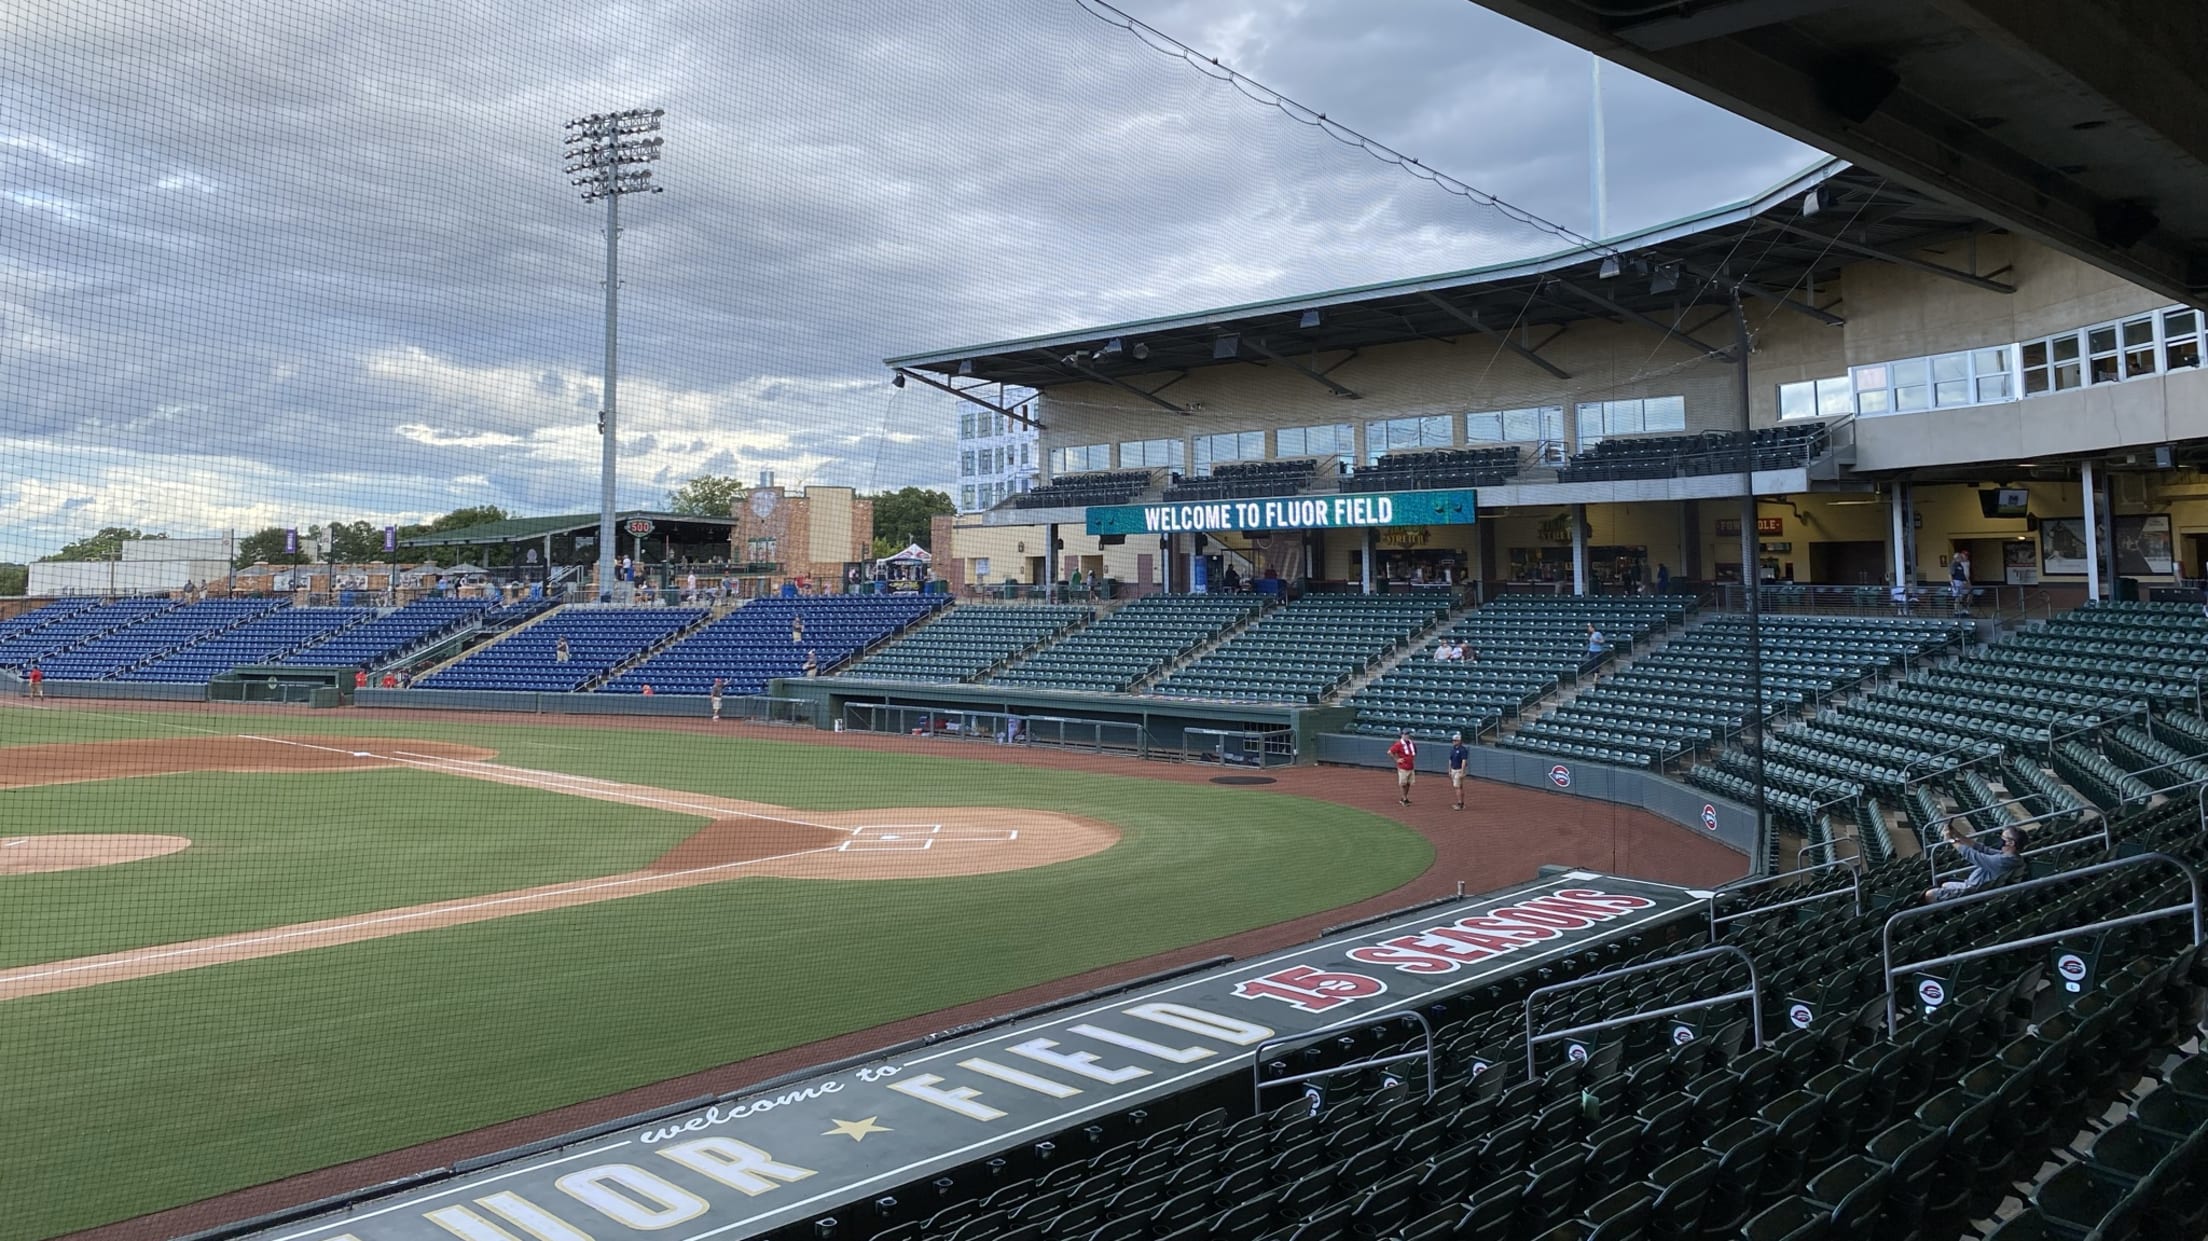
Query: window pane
point(2138, 332)
point(1622, 418)
point(1950, 366)
point(1520, 425)
point(1869, 377)
point(1910, 372)
point(2066, 348)
point(2068, 375)
point(2101, 340)
point(1875, 401)
point(2035, 382)
point(2182, 352)
point(1954, 392)
point(1798, 400)
point(2035, 353)
point(1993, 387)
point(1436, 432)
point(1483, 428)
point(1915, 396)
point(1665, 413)
point(1987, 361)
point(1835, 396)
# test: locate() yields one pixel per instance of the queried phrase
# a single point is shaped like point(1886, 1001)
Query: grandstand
point(599, 639)
point(1431, 468)
point(966, 643)
point(1303, 650)
point(1129, 644)
point(1521, 648)
point(151, 631)
point(34, 644)
point(390, 636)
point(263, 639)
point(753, 645)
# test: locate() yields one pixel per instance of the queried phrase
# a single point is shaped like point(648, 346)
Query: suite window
point(2100, 353)
point(1530, 426)
point(2055, 364)
point(1228, 446)
point(1080, 457)
point(1396, 434)
point(1990, 373)
point(1150, 454)
point(2139, 350)
point(1817, 398)
point(1599, 420)
point(2180, 339)
point(1333, 439)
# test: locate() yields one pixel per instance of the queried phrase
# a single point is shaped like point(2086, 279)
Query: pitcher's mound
point(29, 855)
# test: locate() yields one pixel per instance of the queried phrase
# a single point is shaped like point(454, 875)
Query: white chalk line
point(563, 781)
point(434, 911)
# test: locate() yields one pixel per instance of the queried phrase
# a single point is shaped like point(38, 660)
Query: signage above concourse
point(1367, 510)
point(749, 1164)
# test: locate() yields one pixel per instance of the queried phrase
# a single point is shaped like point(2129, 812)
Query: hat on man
point(1456, 736)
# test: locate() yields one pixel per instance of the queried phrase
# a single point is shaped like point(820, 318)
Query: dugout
point(284, 684)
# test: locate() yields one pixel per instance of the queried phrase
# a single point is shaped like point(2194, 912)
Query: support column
point(1904, 576)
point(1579, 549)
point(2090, 483)
point(1050, 562)
point(1364, 573)
point(1165, 565)
point(1690, 540)
point(1491, 567)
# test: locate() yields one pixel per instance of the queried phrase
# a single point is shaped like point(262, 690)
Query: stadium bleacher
point(1078, 490)
point(599, 639)
point(1707, 452)
point(258, 641)
point(967, 641)
point(37, 643)
point(1437, 467)
point(41, 615)
point(751, 645)
point(156, 632)
point(1247, 480)
point(1301, 651)
point(1522, 647)
point(1129, 643)
point(389, 636)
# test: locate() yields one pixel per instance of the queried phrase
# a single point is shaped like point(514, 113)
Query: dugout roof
point(1782, 245)
point(2083, 125)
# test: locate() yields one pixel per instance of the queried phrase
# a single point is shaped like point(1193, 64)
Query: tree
point(457, 519)
point(902, 516)
point(106, 545)
point(266, 546)
point(15, 580)
point(707, 495)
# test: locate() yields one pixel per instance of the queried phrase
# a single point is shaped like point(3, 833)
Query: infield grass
point(129, 1097)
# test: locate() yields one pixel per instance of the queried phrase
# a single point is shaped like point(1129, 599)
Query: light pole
point(606, 153)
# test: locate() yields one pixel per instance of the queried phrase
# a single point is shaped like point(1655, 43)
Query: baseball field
point(235, 947)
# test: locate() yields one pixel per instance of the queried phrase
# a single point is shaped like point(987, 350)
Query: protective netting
point(286, 287)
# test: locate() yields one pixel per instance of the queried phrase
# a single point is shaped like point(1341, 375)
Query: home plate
point(362, 754)
point(889, 836)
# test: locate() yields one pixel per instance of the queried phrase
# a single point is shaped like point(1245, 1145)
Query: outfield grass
point(129, 1097)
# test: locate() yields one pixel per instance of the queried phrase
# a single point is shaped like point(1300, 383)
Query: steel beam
point(1066, 362)
point(1499, 337)
point(967, 394)
point(1637, 317)
point(1317, 377)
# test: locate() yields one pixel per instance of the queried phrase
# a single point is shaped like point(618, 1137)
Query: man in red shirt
point(360, 678)
point(390, 680)
point(1405, 754)
point(38, 681)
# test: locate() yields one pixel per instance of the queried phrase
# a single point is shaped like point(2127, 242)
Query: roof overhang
point(534, 529)
point(2083, 126)
point(1654, 278)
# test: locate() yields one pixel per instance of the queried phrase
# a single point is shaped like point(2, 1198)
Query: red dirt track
point(1502, 837)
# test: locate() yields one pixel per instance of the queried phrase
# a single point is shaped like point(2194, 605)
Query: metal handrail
point(1886, 935)
point(1259, 1083)
point(2183, 784)
point(1855, 883)
point(1754, 996)
point(2126, 709)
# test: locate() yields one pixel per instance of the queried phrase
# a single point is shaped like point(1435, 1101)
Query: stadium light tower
point(606, 155)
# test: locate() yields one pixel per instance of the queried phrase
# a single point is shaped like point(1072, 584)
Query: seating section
point(1520, 648)
point(1247, 480)
point(1129, 644)
point(161, 632)
point(967, 641)
point(264, 639)
point(390, 636)
point(1710, 452)
point(1428, 469)
point(1694, 695)
point(752, 645)
point(36, 644)
point(1304, 650)
point(42, 615)
point(2087, 1111)
point(1079, 490)
point(599, 639)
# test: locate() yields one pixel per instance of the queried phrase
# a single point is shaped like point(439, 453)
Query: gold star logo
point(856, 1130)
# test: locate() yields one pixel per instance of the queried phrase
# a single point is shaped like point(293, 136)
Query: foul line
point(563, 782)
point(434, 911)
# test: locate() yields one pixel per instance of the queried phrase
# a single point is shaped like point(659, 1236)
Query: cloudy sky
point(278, 263)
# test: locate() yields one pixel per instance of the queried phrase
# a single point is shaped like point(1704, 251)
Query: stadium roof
point(526, 529)
point(1782, 245)
point(2081, 125)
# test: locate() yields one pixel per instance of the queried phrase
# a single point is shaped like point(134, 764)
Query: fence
point(1239, 747)
point(1000, 727)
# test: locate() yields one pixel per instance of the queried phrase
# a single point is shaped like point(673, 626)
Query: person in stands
point(1663, 579)
point(390, 680)
point(1405, 754)
point(812, 665)
point(1986, 865)
point(718, 684)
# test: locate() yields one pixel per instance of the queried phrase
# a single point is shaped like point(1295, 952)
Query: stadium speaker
point(2123, 224)
point(2165, 457)
point(1111, 540)
point(1058, 545)
point(1854, 86)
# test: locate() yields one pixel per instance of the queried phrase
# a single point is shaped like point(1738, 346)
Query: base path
point(742, 838)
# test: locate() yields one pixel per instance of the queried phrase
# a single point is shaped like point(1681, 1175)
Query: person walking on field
point(1459, 758)
point(37, 678)
point(1405, 754)
point(718, 682)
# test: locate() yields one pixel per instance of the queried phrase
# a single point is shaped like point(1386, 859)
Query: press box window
point(1407, 433)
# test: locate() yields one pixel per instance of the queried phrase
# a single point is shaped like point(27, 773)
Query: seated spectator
point(390, 680)
point(559, 651)
point(812, 665)
point(1985, 864)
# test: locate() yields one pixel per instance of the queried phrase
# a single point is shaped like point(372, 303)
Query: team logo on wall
point(1709, 816)
point(1932, 993)
point(1800, 1014)
point(1560, 776)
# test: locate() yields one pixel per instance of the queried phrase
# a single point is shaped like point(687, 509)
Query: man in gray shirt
point(1985, 865)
